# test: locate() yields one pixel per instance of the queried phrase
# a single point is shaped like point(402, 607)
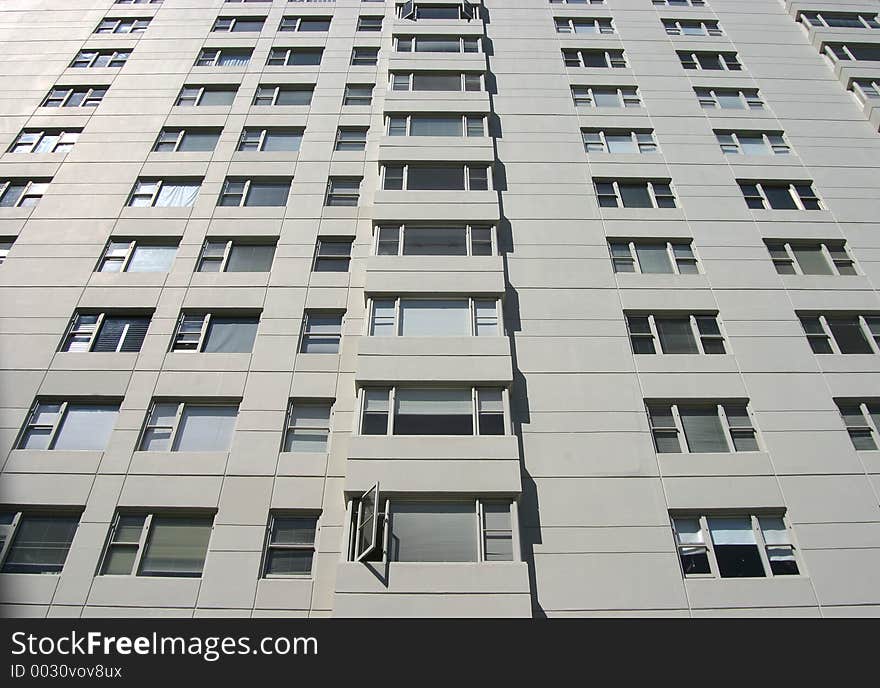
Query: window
point(363, 56)
point(75, 96)
point(839, 20)
point(322, 332)
point(270, 140)
point(706, 427)
point(703, 60)
point(157, 544)
point(729, 546)
point(290, 545)
point(680, 3)
point(416, 11)
point(434, 240)
point(308, 426)
point(164, 193)
point(187, 140)
point(606, 96)
point(584, 57)
point(143, 2)
point(811, 257)
point(853, 51)
point(692, 27)
point(35, 542)
point(193, 96)
point(299, 94)
point(434, 317)
point(752, 142)
point(332, 255)
point(369, 23)
point(433, 411)
point(114, 25)
point(215, 333)
point(235, 256)
point(106, 332)
point(595, 25)
point(841, 333)
point(866, 89)
point(677, 333)
point(137, 256)
point(100, 58)
point(437, 81)
point(862, 421)
point(629, 193)
point(577, 2)
point(290, 57)
point(351, 139)
point(238, 24)
point(223, 57)
point(255, 192)
point(437, 44)
point(776, 195)
point(653, 257)
point(45, 140)
point(5, 247)
point(343, 191)
point(358, 94)
point(436, 177)
point(22, 193)
point(305, 24)
point(729, 98)
point(436, 125)
point(619, 141)
point(69, 425)
point(180, 426)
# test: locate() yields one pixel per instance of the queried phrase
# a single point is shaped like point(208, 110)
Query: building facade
point(512, 308)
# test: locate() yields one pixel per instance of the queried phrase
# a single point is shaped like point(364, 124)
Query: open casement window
point(434, 317)
point(841, 333)
point(216, 95)
point(164, 193)
point(290, 545)
point(775, 195)
point(734, 546)
point(653, 257)
point(287, 94)
point(366, 532)
point(136, 256)
point(308, 425)
point(729, 98)
point(322, 332)
point(435, 125)
point(437, 44)
point(213, 333)
point(45, 141)
point(606, 96)
point(752, 142)
point(87, 59)
point(433, 411)
point(174, 140)
point(179, 426)
point(22, 193)
point(235, 256)
point(35, 542)
point(332, 255)
point(685, 333)
point(594, 57)
point(811, 257)
point(430, 240)
point(106, 332)
point(862, 421)
point(437, 177)
point(633, 193)
point(705, 427)
point(69, 425)
point(157, 544)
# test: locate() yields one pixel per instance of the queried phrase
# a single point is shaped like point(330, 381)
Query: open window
point(367, 524)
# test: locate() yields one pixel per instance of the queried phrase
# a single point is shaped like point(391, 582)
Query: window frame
point(202, 60)
point(181, 134)
point(827, 247)
point(699, 338)
point(627, 96)
point(296, 21)
point(868, 20)
point(89, 99)
point(290, 429)
point(749, 98)
point(126, 259)
point(233, 21)
point(123, 25)
point(775, 142)
point(870, 421)
point(10, 531)
point(473, 316)
point(347, 97)
point(119, 56)
point(364, 56)
point(331, 258)
point(464, 43)
point(265, 132)
point(223, 260)
point(355, 144)
point(643, 140)
point(676, 27)
point(614, 58)
point(306, 334)
point(649, 185)
point(92, 331)
point(268, 545)
point(467, 227)
point(160, 184)
point(862, 320)
point(674, 260)
point(54, 429)
point(396, 78)
point(601, 25)
point(727, 60)
point(174, 428)
point(182, 341)
point(468, 168)
point(342, 198)
point(467, 120)
point(272, 59)
point(729, 432)
point(30, 195)
point(202, 89)
point(761, 196)
point(277, 90)
point(42, 134)
point(246, 191)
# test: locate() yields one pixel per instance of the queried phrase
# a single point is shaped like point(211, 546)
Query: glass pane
point(433, 531)
point(307, 441)
point(811, 260)
point(120, 560)
point(268, 194)
point(293, 531)
point(703, 430)
point(436, 177)
point(689, 531)
point(250, 258)
point(289, 562)
point(199, 141)
point(231, 335)
point(282, 141)
point(434, 412)
point(732, 531)
point(635, 195)
point(653, 258)
point(432, 318)
point(620, 143)
point(86, 427)
point(752, 144)
point(206, 428)
point(217, 97)
point(128, 528)
point(436, 82)
point(774, 530)
point(779, 197)
point(435, 241)
point(849, 336)
point(152, 259)
point(676, 336)
point(435, 126)
point(41, 544)
point(176, 546)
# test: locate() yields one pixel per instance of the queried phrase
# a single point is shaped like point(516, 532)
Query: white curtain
point(177, 195)
point(732, 531)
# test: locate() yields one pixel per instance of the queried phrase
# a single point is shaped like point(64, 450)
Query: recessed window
point(358, 94)
point(164, 193)
point(178, 426)
point(274, 139)
point(648, 256)
point(256, 192)
point(236, 256)
point(811, 257)
point(436, 81)
point(69, 425)
point(22, 193)
point(589, 25)
point(709, 61)
point(842, 333)
point(223, 57)
point(45, 140)
point(675, 333)
point(369, 23)
point(631, 193)
point(626, 141)
point(351, 139)
point(343, 191)
point(123, 25)
point(692, 27)
point(752, 142)
point(103, 332)
point(187, 140)
point(75, 96)
point(146, 2)
point(157, 544)
point(433, 411)
point(577, 2)
point(593, 57)
point(5, 247)
point(862, 420)
point(86, 59)
point(322, 332)
point(680, 3)
point(734, 546)
point(434, 240)
point(206, 96)
point(729, 98)
point(332, 255)
point(705, 427)
point(868, 52)
point(137, 256)
point(435, 317)
point(292, 57)
point(35, 542)
point(840, 20)
point(215, 333)
point(422, 11)
point(290, 545)
point(778, 195)
point(866, 89)
point(437, 44)
point(363, 56)
point(238, 24)
point(436, 125)
point(284, 94)
point(308, 425)
point(313, 24)
point(436, 177)
point(606, 96)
